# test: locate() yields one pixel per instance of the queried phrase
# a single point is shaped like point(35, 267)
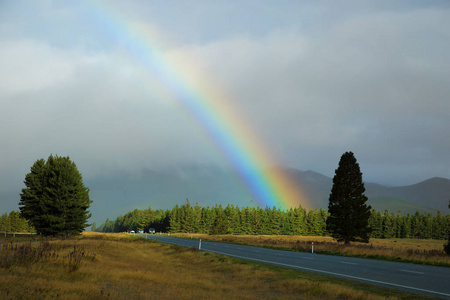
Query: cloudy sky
point(311, 79)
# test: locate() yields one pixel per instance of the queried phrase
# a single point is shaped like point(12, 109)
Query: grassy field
point(410, 250)
point(120, 266)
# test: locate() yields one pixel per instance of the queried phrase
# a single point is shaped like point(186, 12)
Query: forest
point(14, 222)
point(272, 221)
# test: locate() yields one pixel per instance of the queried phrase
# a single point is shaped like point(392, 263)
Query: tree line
point(232, 219)
point(14, 222)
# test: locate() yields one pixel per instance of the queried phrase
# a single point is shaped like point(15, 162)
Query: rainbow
point(208, 104)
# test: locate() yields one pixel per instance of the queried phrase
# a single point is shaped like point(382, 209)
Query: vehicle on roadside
point(132, 232)
point(141, 231)
point(151, 230)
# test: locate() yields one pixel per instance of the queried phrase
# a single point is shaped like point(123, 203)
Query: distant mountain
point(206, 185)
point(394, 205)
point(431, 195)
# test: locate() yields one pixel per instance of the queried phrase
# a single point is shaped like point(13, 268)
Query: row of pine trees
point(272, 221)
point(14, 222)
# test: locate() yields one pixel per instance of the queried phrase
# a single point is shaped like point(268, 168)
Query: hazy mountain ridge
point(431, 195)
point(207, 185)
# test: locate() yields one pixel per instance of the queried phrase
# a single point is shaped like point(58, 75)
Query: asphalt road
point(427, 280)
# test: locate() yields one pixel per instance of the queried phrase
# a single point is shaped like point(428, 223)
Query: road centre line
point(333, 273)
point(348, 263)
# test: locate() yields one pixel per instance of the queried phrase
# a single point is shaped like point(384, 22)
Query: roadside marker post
point(200, 245)
point(312, 247)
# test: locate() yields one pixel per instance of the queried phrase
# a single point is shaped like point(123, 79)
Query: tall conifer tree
point(55, 200)
point(349, 213)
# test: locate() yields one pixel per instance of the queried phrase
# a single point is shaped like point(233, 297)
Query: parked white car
point(151, 230)
point(132, 231)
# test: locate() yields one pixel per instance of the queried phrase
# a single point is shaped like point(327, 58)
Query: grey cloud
point(371, 81)
point(375, 84)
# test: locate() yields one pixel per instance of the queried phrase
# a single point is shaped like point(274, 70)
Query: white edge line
point(331, 273)
point(415, 272)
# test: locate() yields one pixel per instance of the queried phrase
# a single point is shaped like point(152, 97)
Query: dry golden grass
point(427, 251)
point(117, 266)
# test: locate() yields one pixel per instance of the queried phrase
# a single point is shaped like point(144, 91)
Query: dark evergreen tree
point(273, 218)
point(107, 226)
point(349, 213)
point(5, 225)
point(376, 224)
point(186, 217)
point(229, 216)
point(205, 220)
point(406, 229)
point(174, 223)
point(31, 197)
point(438, 227)
point(246, 227)
point(447, 246)
point(285, 224)
point(388, 225)
point(298, 217)
point(399, 224)
point(219, 225)
point(55, 200)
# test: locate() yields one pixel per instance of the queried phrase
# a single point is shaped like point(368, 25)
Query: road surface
point(420, 279)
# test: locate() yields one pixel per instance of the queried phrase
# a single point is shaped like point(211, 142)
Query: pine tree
point(312, 224)
point(245, 221)
point(388, 225)
point(55, 199)
point(5, 223)
point(438, 227)
point(174, 223)
point(349, 213)
point(186, 217)
point(219, 225)
point(274, 218)
point(298, 221)
point(416, 225)
point(406, 229)
point(376, 224)
point(447, 246)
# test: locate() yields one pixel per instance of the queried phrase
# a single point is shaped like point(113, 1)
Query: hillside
point(206, 185)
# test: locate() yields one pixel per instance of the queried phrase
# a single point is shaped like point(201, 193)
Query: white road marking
point(414, 272)
point(348, 263)
point(335, 274)
point(308, 258)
